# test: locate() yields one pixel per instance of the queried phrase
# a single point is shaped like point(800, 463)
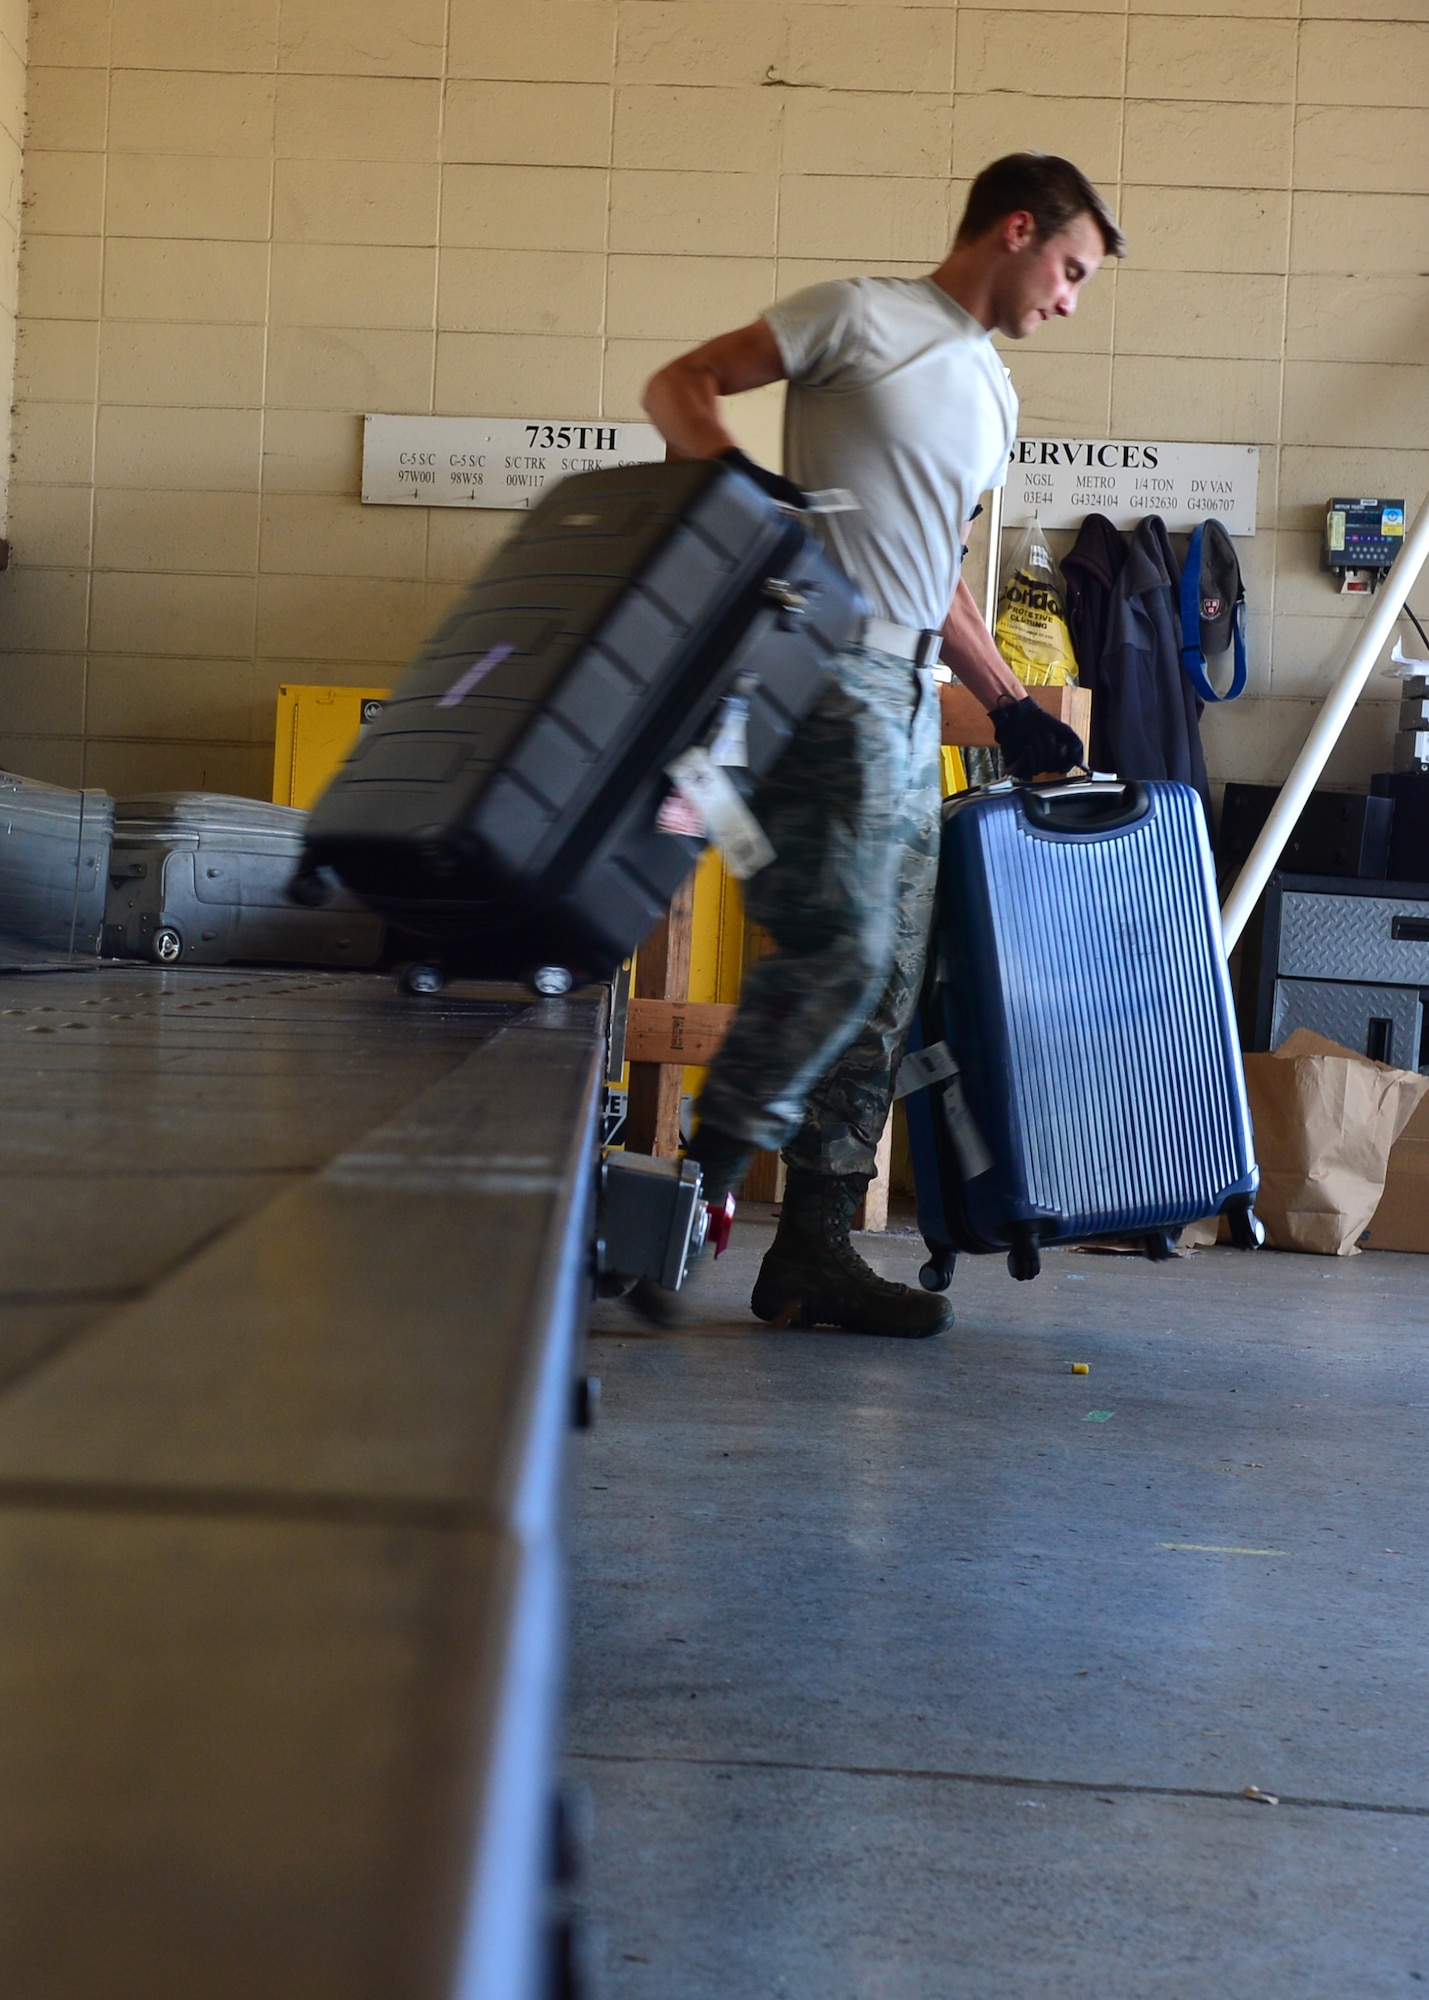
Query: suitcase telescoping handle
point(1088, 808)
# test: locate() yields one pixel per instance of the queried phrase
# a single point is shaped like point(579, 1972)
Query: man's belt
point(905, 642)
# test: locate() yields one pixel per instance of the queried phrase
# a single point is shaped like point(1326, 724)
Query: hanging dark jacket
point(1151, 714)
point(1090, 570)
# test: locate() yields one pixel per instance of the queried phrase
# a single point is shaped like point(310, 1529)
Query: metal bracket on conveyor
point(619, 1018)
point(652, 1221)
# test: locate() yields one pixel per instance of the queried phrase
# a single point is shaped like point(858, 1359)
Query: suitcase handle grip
point(1087, 811)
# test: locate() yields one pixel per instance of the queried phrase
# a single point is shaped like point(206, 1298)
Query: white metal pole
point(1325, 731)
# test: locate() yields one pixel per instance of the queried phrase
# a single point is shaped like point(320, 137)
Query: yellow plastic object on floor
point(316, 727)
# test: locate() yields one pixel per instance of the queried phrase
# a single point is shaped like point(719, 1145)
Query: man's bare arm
point(969, 650)
point(683, 400)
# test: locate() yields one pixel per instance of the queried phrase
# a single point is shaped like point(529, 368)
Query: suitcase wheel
point(937, 1274)
point(1024, 1259)
point(1158, 1245)
point(551, 981)
point(1247, 1229)
point(307, 889)
point(167, 946)
point(421, 979)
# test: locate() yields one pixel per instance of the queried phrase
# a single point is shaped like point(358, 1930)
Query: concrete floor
point(935, 1672)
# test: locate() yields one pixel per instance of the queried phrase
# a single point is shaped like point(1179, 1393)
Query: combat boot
point(813, 1276)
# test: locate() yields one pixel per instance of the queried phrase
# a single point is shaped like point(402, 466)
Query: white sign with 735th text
point(509, 462)
point(1059, 481)
point(490, 461)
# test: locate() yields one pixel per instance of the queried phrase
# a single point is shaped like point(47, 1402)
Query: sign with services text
point(490, 461)
point(1059, 481)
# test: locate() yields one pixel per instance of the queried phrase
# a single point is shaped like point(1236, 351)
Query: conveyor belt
point(292, 1273)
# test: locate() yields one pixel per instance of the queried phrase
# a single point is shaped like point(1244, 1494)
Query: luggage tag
point(974, 1159)
point(922, 1067)
point(729, 746)
point(676, 814)
point(936, 1064)
point(729, 823)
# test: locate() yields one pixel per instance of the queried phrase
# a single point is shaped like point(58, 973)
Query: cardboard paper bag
point(1401, 1222)
point(1325, 1119)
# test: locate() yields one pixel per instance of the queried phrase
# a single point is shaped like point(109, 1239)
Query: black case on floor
point(1338, 833)
point(1409, 839)
point(504, 803)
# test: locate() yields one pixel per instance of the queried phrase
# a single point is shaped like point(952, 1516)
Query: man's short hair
point(1053, 192)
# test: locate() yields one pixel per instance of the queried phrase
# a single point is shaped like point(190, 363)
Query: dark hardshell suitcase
point(504, 803)
point(54, 862)
point(1078, 994)
point(202, 878)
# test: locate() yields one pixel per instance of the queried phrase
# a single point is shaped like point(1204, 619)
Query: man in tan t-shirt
point(896, 394)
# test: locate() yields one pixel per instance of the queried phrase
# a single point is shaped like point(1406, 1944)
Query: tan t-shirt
point(899, 395)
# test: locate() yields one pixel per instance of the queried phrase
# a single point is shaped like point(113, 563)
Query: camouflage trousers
point(851, 810)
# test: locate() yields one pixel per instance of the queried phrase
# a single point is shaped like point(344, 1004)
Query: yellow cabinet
point(316, 728)
point(718, 941)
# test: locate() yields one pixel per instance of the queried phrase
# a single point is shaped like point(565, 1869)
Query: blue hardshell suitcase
point(1078, 1030)
point(507, 802)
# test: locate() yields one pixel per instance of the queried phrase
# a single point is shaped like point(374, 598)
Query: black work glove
point(773, 483)
point(1031, 740)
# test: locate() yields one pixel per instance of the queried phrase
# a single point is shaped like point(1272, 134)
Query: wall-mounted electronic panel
point(1363, 534)
point(1362, 538)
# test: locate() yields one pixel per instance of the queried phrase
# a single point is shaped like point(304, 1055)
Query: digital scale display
point(1363, 534)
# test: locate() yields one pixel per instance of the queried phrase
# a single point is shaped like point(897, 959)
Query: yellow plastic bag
point(1031, 630)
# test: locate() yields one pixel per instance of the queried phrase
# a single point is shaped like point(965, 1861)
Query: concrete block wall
point(14, 25)
point(247, 221)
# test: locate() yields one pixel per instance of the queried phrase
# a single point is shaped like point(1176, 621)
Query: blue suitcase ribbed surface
point(1087, 1002)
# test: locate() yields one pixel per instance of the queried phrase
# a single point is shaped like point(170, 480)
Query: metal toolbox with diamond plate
point(1386, 1023)
point(1384, 938)
point(1348, 959)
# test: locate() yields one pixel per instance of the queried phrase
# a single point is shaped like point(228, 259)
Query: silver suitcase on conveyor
point(200, 878)
point(54, 866)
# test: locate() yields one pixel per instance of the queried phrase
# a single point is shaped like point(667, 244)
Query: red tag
point(721, 1223)
point(678, 815)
